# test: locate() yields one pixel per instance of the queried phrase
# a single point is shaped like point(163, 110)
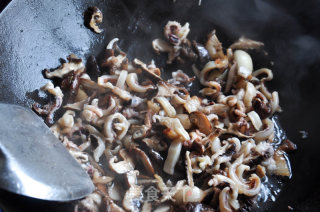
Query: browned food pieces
point(134, 131)
point(92, 16)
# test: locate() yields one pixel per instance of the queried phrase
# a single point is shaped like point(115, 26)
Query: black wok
point(35, 34)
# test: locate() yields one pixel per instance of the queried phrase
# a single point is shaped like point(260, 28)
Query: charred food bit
point(92, 16)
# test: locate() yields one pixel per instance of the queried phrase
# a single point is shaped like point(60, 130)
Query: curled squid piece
point(115, 127)
point(235, 173)
point(244, 61)
point(51, 107)
point(132, 82)
point(177, 132)
point(228, 198)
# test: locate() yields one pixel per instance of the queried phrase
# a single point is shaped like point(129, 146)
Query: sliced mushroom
point(71, 83)
point(163, 46)
point(262, 107)
point(154, 74)
point(281, 166)
point(142, 156)
point(287, 146)
point(126, 156)
point(74, 64)
point(92, 16)
point(201, 121)
point(120, 167)
point(115, 63)
point(203, 55)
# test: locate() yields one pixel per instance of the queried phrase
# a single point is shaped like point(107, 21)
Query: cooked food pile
point(150, 145)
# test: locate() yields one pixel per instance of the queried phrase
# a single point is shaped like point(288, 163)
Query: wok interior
point(287, 29)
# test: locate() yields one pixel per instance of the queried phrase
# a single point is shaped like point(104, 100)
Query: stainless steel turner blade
point(33, 162)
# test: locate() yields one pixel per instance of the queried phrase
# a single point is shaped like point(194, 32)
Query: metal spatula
point(33, 162)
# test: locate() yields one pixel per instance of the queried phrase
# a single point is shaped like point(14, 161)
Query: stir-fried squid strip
point(263, 71)
point(123, 94)
point(98, 152)
point(255, 120)
point(132, 82)
point(122, 79)
point(230, 198)
point(173, 156)
point(164, 102)
point(209, 67)
point(244, 63)
point(249, 94)
point(275, 102)
point(92, 113)
point(224, 204)
point(231, 77)
point(236, 175)
point(50, 108)
point(115, 130)
point(111, 43)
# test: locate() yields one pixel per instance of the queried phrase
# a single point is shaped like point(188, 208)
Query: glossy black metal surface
point(35, 34)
